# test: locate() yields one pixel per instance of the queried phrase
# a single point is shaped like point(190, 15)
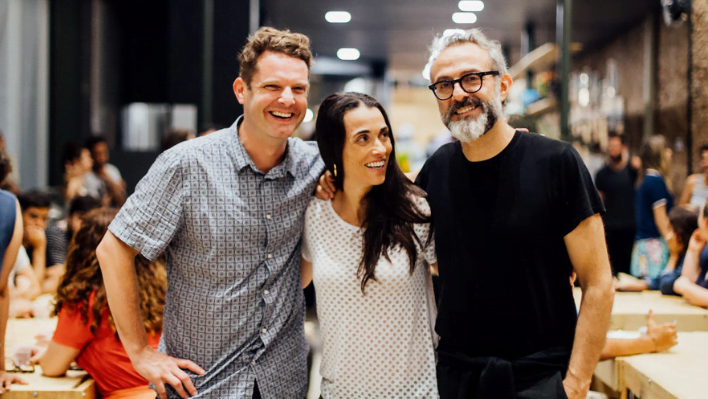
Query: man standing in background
point(616, 182)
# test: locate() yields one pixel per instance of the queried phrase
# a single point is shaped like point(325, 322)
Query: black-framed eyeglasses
point(470, 83)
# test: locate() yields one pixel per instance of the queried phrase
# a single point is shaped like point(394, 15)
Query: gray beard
point(470, 129)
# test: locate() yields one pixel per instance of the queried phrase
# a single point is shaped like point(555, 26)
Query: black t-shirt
point(617, 187)
point(499, 228)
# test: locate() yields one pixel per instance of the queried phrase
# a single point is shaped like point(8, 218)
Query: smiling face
point(275, 101)
point(469, 115)
point(367, 147)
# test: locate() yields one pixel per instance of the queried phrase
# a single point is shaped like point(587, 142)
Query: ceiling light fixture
point(471, 5)
point(464, 18)
point(309, 116)
point(348, 54)
point(338, 17)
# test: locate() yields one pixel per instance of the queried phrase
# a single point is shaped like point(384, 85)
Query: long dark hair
point(390, 207)
point(684, 221)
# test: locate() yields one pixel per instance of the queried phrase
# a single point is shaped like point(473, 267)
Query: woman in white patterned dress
point(368, 251)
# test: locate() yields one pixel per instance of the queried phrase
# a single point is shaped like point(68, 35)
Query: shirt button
point(270, 256)
point(266, 292)
point(253, 362)
point(264, 331)
point(268, 217)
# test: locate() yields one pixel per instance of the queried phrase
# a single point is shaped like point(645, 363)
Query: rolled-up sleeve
point(152, 215)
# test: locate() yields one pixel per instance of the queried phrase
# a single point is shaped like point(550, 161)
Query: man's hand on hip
point(161, 369)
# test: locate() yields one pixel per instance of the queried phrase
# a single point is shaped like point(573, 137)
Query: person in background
point(11, 233)
point(77, 164)
point(652, 203)
point(377, 224)
point(693, 283)
point(683, 221)
point(24, 286)
point(616, 182)
point(59, 235)
point(104, 178)
point(35, 215)
point(695, 191)
point(208, 128)
point(173, 138)
point(7, 183)
point(658, 338)
point(85, 330)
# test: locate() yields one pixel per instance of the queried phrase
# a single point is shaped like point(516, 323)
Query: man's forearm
point(590, 332)
point(117, 262)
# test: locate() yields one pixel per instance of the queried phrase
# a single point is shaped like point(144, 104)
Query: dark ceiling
point(399, 31)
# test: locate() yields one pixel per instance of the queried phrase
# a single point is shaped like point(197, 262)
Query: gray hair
point(455, 37)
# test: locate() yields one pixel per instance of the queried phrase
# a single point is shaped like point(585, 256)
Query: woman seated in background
point(368, 250)
point(652, 203)
point(85, 330)
point(693, 283)
point(683, 221)
point(695, 191)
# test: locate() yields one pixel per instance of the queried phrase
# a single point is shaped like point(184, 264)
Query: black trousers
point(256, 391)
point(620, 242)
point(537, 376)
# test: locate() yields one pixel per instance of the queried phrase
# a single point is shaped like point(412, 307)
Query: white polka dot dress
point(379, 344)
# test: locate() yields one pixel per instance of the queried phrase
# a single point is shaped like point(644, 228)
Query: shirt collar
point(244, 160)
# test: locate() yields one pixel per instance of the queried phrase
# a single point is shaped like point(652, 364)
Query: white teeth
point(281, 114)
point(375, 165)
point(465, 109)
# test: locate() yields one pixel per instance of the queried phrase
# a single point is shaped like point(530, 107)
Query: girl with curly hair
point(85, 331)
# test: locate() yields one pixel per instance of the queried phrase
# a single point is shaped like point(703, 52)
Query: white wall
point(24, 87)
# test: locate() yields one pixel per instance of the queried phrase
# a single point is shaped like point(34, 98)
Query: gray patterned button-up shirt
point(231, 234)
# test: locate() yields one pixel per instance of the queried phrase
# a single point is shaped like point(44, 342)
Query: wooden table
point(75, 385)
point(631, 309)
point(679, 373)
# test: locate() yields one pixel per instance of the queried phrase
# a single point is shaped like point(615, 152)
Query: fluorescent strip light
point(338, 17)
point(348, 54)
point(464, 18)
point(471, 5)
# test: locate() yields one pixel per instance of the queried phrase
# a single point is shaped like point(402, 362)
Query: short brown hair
point(265, 39)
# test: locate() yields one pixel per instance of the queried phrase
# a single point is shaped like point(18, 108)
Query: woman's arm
point(658, 338)
point(661, 219)
point(691, 262)
point(305, 272)
point(688, 189)
point(57, 359)
point(692, 293)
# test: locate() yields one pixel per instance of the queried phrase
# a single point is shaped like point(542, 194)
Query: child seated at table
point(683, 221)
point(693, 284)
point(85, 330)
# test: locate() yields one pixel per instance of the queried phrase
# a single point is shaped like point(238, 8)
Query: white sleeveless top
point(700, 193)
point(377, 345)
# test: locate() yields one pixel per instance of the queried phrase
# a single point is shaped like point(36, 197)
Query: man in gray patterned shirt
point(228, 210)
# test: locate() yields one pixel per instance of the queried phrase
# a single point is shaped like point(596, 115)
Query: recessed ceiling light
point(309, 115)
point(471, 5)
point(464, 18)
point(348, 54)
point(338, 17)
